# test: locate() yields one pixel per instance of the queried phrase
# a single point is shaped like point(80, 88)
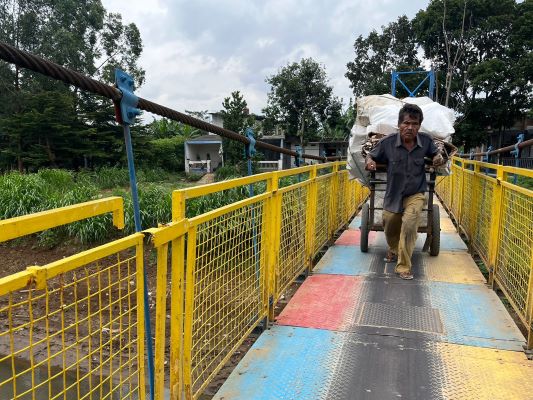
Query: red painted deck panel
point(352, 237)
point(323, 302)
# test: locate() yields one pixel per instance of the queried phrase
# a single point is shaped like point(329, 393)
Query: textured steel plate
point(352, 237)
point(474, 315)
point(446, 224)
point(449, 241)
point(453, 267)
point(470, 314)
point(421, 319)
point(324, 302)
point(300, 363)
point(349, 260)
point(356, 222)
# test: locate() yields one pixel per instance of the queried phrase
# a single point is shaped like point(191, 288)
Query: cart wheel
point(434, 247)
point(364, 228)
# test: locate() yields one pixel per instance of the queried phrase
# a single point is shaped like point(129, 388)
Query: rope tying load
point(38, 64)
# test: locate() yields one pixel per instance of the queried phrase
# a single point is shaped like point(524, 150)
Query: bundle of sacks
point(377, 117)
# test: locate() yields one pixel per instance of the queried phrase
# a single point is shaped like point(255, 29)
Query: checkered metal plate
point(299, 363)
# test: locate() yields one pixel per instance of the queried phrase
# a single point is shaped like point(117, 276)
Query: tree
point(299, 98)
point(236, 119)
point(395, 48)
point(485, 48)
point(76, 35)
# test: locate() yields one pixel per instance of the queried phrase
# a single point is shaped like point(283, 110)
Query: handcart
point(368, 211)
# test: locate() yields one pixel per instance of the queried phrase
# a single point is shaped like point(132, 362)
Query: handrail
point(27, 224)
point(506, 149)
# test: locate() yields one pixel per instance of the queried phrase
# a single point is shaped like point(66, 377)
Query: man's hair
point(412, 110)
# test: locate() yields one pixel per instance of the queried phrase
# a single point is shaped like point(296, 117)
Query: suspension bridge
point(81, 327)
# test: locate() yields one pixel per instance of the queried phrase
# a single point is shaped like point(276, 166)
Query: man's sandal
point(390, 257)
point(406, 275)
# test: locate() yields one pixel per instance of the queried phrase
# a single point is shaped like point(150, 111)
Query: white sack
point(379, 114)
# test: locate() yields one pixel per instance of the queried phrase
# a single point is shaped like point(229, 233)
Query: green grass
point(22, 194)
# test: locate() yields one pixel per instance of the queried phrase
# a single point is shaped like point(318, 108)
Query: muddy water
point(52, 387)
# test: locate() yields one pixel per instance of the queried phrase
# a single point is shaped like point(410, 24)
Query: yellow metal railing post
point(139, 261)
point(160, 320)
point(310, 219)
point(275, 240)
point(189, 313)
point(495, 227)
point(529, 312)
point(178, 205)
point(176, 318)
point(333, 201)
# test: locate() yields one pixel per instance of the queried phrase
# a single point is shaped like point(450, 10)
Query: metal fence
point(523, 162)
point(497, 217)
point(74, 328)
point(239, 259)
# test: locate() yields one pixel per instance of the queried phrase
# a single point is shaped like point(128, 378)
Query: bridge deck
point(354, 330)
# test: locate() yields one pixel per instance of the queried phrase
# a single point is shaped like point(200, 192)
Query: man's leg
point(392, 225)
point(413, 206)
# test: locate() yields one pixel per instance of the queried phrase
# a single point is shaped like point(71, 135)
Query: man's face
point(409, 127)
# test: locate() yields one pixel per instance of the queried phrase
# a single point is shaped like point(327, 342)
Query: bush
point(166, 153)
point(59, 179)
point(227, 172)
point(155, 205)
point(111, 177)
point(22, 194)
point(193, 177)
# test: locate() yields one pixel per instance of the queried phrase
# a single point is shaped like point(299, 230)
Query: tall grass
point(22, 194)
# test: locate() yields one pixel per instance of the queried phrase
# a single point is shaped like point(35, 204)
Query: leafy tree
point(395, 48)
point(77, 35)
point(299, 99)
point(481, 49)
point(340, 122)
point(485, 48)
point(236, 119)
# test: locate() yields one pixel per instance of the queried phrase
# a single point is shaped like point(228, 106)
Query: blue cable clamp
point(298, 160)
point(250, 147)
point(128, 102)
point(516, 151)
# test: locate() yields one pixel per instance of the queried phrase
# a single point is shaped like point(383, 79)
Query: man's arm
point(377, 154)
point(433, 151)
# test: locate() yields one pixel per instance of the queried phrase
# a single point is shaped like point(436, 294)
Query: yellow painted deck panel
point(452, 267)
point(476, 373)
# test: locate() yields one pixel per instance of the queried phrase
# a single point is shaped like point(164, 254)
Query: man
point(404, 154)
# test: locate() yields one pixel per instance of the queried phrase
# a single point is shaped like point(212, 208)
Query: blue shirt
point(406, 172)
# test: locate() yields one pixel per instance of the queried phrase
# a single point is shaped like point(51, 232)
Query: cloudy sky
point(196, 52)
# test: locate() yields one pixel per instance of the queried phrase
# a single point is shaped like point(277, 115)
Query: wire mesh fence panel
point(513, 261)
point(341, 214)
point(483, 218)
point(226, 293)
point(457, 187)
point(468, 204)
point(292, 257)
point(324, 186)
point(74, 329)
point(443, 188)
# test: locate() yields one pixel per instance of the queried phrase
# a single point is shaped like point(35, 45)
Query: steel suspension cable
point(38, 64)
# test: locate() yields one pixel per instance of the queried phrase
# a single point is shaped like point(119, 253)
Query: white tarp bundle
point(378, 114)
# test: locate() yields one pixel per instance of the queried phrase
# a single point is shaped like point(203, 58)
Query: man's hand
point(370, 164)
point(438, 160)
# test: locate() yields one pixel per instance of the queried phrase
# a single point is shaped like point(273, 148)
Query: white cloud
point(198, 52)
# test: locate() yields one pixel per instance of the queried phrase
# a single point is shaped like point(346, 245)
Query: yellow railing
point(74, 328)
point(230, 266)
point(497, 217)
